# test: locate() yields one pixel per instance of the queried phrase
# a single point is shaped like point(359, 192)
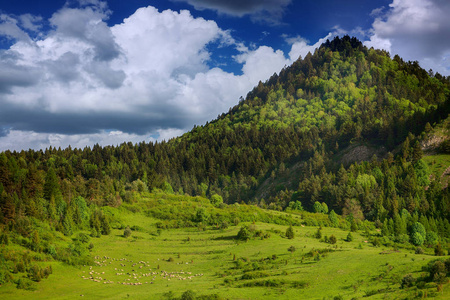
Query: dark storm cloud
point(12, 75)
point(270, 11)
point(38, 120)
point(63, 69)
point(4, 131)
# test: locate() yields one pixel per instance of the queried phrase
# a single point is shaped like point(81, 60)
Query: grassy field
point(438, 164)
point(152, 264)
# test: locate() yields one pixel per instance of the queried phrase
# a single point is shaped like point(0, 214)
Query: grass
point(156, 263)
point(149, 266)
point(438, 164)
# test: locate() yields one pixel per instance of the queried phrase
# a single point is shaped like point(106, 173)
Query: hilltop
point(346, 137)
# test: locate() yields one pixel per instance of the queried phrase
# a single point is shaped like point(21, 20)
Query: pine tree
point(290, 232)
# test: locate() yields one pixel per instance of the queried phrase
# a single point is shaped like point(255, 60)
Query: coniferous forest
point(347, 131)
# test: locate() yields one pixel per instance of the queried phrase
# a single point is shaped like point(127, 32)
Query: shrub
point(408, 281)
point(332, 239)
point(431, 238)
point(34, 273)
point(127, 232)
point(333, 218)
point(216, 200)
point(290, 233)
point(188, 295)
point(417, 239)
point(418, 228)
point(4, 239)
point(254, 275)
point(438, 251)
point(244, 233)
point(376, 242)
point(349, 237)
point(19, 267)
point(402, 238)
point(353, 226)
point(438, 272)
point(419, 250)
point(5, 276)
point(82, 237)
point(224, 225)
point(291, 249)
point(318, 208)
point(318, 234)
point(26, 284)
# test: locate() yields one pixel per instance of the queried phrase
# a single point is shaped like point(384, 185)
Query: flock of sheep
point(136, 274)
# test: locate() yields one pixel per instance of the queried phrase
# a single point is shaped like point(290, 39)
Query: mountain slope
point(294, 125)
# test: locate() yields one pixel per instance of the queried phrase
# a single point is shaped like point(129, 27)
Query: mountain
point(347, 138)
point(308, 134)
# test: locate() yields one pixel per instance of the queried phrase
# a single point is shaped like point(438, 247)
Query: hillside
point(149, 253)
point(347, 138)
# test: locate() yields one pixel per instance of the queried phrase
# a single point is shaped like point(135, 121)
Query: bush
point(349, 237)
point(416, 230)
point(333, 218)
point(254, 275)
point(127, 232)
point(419, 250)
point(431, 238)
point(408, 281)
point(332, 239)
point(34, 273)
point(353, 226)
point(438, 251)
point(5, 276)
point(224, 225)
point(318, 234)
point(291, 249)
point(26, 284)
point(82, 237)
point(438, 272)
point(216, 200)
point(188, 295)
point(376, 242)
point(290, 233)
point(417, 239)
point(244, 233)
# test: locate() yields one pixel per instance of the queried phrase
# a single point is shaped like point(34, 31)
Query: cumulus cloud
point(301, 47)
point(268, 11)
point(416, 30)
point(146, 78)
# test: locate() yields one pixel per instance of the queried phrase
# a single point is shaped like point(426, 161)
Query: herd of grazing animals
point(145, 275)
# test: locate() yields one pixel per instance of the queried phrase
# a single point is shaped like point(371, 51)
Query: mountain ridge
point(343, 94)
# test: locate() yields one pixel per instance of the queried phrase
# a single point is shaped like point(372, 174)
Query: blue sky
point(81, 72)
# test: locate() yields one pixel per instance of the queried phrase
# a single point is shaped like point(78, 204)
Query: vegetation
point(347, 149)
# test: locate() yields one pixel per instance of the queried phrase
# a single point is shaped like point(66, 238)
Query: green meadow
point(155, 263)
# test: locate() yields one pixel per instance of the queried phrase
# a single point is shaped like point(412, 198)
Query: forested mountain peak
point(278, 145)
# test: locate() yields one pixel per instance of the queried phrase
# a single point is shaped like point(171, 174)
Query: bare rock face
point(432, 143)
point(359, 152)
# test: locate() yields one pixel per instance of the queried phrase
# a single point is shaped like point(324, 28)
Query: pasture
point(163, 264)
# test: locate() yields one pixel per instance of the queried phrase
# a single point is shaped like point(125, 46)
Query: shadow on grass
point(225, 238)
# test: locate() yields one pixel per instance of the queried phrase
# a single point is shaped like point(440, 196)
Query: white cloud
point(18, 140)
point(9, 27)
point(144, 78)
point(301, 47)
point(416, 30)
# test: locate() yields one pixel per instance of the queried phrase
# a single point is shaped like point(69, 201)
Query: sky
point(85, 72)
